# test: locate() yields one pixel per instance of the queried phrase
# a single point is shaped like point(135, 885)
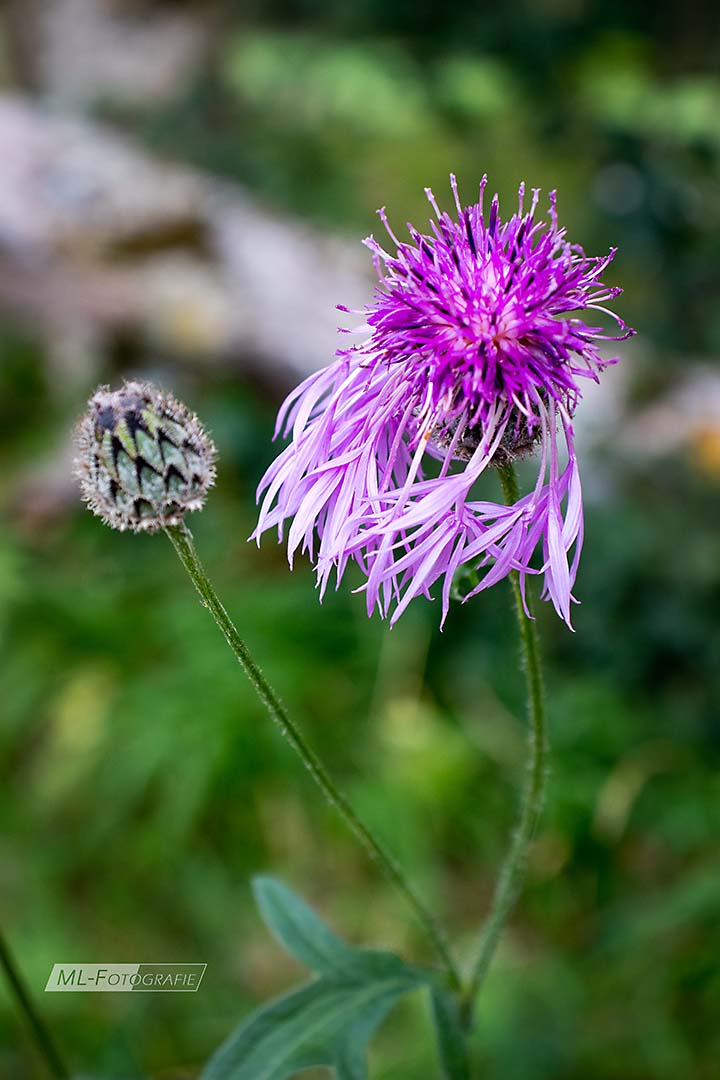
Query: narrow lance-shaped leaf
point(330, 1020)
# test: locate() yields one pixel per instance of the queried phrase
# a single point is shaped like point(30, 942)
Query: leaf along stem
point(182, 541)
point(509, 880)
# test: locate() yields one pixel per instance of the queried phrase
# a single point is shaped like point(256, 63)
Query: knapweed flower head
point(143, 459)
point(473, 355)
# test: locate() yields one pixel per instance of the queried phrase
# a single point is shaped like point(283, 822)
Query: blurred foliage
point(143, 784)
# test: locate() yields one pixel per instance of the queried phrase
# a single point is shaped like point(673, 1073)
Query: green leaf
point(299, 929)
point(326, 1022)
point(451, 1036)
point(307, 938)
point(330, 1020)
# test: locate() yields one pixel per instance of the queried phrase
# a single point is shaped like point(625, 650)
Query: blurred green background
point(142, 784)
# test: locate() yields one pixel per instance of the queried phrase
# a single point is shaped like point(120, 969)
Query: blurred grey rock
point(81, 52)
point(97, 237)
point(685, 419)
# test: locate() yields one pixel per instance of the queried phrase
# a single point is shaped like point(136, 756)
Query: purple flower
point(471, 357)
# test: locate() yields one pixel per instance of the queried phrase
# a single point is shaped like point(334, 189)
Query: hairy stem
point(41, 1036)
point(510, 879)
point(182, 540)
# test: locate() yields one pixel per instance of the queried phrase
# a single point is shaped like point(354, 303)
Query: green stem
point(510, 878)
point(42, 1038)
point(182, 540)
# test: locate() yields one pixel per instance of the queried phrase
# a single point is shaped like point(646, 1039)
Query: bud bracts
point(142, 458)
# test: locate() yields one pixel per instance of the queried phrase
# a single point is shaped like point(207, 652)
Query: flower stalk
point(144, 461)
point(182, 541)
point(510, 878)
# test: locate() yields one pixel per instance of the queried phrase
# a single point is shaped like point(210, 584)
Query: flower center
point(517, 442)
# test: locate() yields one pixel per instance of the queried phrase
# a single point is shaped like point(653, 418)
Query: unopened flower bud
point(142, 458)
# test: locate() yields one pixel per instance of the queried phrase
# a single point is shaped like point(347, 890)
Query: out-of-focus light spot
point(705, 449)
